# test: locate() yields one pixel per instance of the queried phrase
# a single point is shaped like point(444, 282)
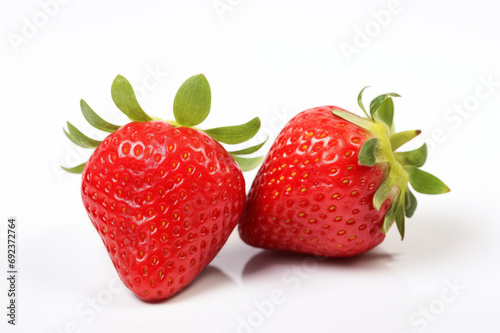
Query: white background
point(271, 59)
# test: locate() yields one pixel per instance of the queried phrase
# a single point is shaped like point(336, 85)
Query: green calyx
point(403, 166)
point(191, 107)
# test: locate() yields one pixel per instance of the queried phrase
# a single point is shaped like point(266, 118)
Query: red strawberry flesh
point(311, 194)
point(164, 200)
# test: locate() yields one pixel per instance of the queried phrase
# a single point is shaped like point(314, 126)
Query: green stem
point(172, 122)
point(397, 176)
point(175, 124)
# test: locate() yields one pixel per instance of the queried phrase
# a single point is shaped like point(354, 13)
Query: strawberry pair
point(164, 196)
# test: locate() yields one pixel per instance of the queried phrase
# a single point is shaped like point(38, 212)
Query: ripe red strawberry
point(332, 185)
point(164, 198)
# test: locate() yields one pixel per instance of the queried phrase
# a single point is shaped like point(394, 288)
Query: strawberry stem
point(403, 167)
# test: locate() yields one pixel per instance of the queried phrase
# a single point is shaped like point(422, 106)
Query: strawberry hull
point(311, 195)
point(164, 200)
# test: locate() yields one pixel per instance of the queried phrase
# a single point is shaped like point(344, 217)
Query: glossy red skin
point(164, 201)
point(328, 208)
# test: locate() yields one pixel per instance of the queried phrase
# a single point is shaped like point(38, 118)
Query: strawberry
point(332, 183)
point(163, 196)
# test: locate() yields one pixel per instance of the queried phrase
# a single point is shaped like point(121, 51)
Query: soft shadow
point(267, 260)
point(211, 279)
point(434, 238)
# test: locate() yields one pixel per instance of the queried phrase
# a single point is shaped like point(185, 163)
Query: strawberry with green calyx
point(191, 106)
point(332, 184)
point(164, 196)
point(403, 166)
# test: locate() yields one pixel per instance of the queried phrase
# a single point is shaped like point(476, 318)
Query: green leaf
point(377, 101)
point(124, 97)
point(410, 203)
point(76, 169)
point(235, 134)
point(400, 217)
point(389, 218)
point(382, 193)
point(366, 154)
point(399, 139)
point(192, 101)
point(424, 182)
point(360, 101)
point(385, 112)
point(95, 120)
point(352, 118)
point(79, 138)
point(248, 163)
point(396, 213)
point(249, 150)
point(415, 157)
